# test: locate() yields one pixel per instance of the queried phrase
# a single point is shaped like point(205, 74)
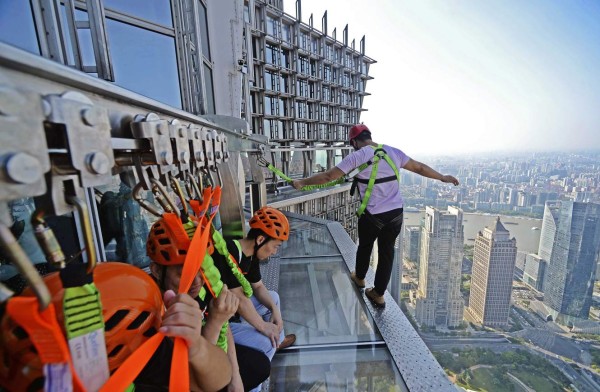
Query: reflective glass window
point(210, 92)
point(157, 11)
point(16, 25)
point(204, 31)
point(133, 49)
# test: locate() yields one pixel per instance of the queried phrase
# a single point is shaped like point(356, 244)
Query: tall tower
point(412, 239)
point(549, 226)
point(572, 265)
point(439, 301)
point(494, 258)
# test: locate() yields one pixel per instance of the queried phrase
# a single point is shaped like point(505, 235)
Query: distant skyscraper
point(439, 301)
point(535, 270)
point(395, 284)
point(548, 233)
point(494, 258)
point(412, 239)
point(572, 265)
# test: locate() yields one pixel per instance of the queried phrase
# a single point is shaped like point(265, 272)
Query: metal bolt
point(166, 158)
point(88, 116)
point(184, 157)
point(161, 129)
point(23, 168)
point(98, 163)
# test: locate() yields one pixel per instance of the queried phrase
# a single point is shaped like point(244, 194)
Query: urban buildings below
point(572, 264)
point(439, 301)
point(412, 243)
point(494, 258)
point(535, 270)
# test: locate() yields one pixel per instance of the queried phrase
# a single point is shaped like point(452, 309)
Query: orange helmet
point(168, 241)
point(272, 222)
point(132, 310)
point(356, 130)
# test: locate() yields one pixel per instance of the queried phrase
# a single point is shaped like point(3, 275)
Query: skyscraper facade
point(439, 302)
point(412, 239)
point(494, 258)
point(548, 233)
point(572, 265)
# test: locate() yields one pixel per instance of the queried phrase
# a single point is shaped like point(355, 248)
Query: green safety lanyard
point(282, 175)
point(379, 153)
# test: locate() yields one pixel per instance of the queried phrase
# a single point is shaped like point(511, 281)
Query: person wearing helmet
point(380, 214)
point(167, 246)
point(258, 323)
point(133, 311)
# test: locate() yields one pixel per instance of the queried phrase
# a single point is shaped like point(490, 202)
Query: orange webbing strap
point(212, 200)
point(179, 379)
point(180, 375)
point(200, 208)
point(44, 332)
point(133, 365)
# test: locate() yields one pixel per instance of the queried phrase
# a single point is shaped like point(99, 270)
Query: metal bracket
point(157, 132)
point(24, 155)
point(86, 150)
point(181, 146)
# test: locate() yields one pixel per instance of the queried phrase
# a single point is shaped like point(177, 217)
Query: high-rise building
point(494, 258)
point(572, 265)
point(535, 270)
point(439, 302)
point(548, 233)
point(412, 243)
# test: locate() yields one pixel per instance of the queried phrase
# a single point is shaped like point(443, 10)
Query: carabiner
point(136, 193)
point(216, 169)
point(194, 187)
point(162, 196)
point(86, 227)
point(24, 265)
point(261, 161)
point(47, 240)
point(177, 188)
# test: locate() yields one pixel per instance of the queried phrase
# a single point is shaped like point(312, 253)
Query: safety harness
point(378, 155)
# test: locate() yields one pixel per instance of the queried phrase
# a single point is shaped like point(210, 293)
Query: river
point(519, 227)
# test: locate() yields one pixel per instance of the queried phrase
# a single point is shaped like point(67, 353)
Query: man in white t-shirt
point(380, 215)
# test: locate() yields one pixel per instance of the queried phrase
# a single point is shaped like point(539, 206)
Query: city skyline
point(465, 73)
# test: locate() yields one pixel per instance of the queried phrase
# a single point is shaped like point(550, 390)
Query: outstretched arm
point(425, 171)
point(321, 178)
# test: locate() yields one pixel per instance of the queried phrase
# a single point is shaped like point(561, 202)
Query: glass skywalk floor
point(339, 346)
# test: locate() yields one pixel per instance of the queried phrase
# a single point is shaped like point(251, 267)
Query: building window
point(286, 33)
point(272, 26)
point(203, 30)
point(210, 94)
point(273, 54)
point(132, 49)
point(154, 11)
point(16, 16)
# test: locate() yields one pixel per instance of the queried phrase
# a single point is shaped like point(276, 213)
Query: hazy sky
point(474, 75)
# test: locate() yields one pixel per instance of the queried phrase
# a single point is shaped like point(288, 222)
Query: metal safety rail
point(62, 133)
